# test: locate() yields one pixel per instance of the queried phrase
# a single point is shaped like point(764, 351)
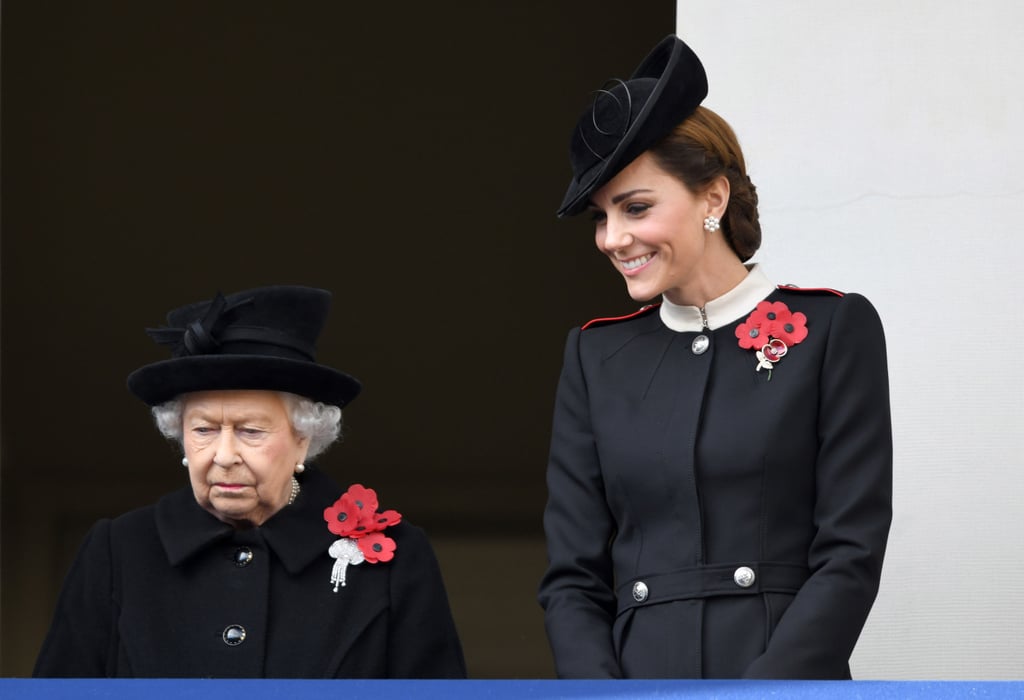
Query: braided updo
point(697, 151)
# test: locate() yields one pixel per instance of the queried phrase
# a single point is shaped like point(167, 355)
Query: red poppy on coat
point(789, 327)
point(342, 517)
point(386, 519)
point(365, 498)
point(771, 320)
point(376, 547)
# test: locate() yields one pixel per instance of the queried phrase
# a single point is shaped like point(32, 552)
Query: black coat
point(152, 592)
point(673, 470)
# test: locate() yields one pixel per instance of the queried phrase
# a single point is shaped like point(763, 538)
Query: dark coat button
point(233, 635)
point(243, 555)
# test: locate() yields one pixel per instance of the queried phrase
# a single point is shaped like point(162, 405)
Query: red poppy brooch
point(772, 329)
point(355, 519)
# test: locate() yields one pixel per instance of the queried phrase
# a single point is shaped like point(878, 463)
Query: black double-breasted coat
point(167, 591)
point(704, 520)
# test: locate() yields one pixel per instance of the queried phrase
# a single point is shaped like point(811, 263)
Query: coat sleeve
point(422, 639)
point(853, 506)
point(82, 633)
point(576, 591)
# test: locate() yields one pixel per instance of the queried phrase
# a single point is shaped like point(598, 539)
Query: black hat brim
point(162, 381)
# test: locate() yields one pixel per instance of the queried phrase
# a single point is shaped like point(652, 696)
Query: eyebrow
point(209, 417)
point(626, 195)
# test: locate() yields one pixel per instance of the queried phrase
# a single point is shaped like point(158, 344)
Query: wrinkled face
point(241, 452)
point(652, 229)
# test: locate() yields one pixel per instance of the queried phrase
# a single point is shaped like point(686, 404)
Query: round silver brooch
point(700, 344)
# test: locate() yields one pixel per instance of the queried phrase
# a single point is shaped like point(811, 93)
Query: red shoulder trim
point(794, 288)
point(612, 319)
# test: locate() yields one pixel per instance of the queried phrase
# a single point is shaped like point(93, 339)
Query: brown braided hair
point(698, 150)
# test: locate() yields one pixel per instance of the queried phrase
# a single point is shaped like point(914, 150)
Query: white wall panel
point(887, 141)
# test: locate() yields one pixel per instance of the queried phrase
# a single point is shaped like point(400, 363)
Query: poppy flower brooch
point(771, 330)
point(355, 519)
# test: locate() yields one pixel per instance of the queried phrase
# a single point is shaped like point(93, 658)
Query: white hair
point(320, 423)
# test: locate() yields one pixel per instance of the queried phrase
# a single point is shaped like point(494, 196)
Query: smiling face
point(242, 452)
point(652, 228)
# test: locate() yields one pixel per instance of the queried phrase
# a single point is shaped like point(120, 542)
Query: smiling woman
point(650, 224)
point(719, 481)
point(240, 574)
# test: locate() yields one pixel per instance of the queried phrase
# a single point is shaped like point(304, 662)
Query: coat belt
point(743, 578)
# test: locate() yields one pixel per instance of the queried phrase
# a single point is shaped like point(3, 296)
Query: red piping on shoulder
point(643, 309)
point(794, 288)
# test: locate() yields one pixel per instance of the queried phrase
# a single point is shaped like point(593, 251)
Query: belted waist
point(711, 580)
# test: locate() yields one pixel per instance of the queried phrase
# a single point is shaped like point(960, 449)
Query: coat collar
point(296, 534)
point(731, 306)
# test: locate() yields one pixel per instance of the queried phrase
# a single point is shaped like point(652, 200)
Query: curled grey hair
point(319, 422)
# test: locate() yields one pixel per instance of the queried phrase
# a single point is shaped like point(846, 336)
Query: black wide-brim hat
point(628, 117)
point(257, 339)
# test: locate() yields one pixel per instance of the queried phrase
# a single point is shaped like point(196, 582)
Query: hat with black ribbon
point(257, 339)
point(627, 117)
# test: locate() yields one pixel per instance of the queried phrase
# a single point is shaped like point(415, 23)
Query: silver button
point(744, 577)
point(700, 344)
point(242, 557)
point(233, 635)
point(639, 591)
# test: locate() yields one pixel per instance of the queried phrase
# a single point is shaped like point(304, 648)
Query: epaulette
point(613, 319)
point(819, 290)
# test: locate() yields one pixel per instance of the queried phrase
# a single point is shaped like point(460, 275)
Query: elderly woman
point(721, 461)
point(262, 567)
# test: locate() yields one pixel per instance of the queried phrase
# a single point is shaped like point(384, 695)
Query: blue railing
point(193, 689)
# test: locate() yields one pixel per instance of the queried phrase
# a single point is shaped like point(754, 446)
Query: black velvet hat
point(258, 339)
point(628, 117)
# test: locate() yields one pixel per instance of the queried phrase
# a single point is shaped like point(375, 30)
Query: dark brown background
point(409, 157)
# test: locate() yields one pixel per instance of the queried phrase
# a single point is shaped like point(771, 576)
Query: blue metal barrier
point(161, 689)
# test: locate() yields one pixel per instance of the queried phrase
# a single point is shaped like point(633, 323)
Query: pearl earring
point(299, 468)
point(184, 461)
point(711, 224)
